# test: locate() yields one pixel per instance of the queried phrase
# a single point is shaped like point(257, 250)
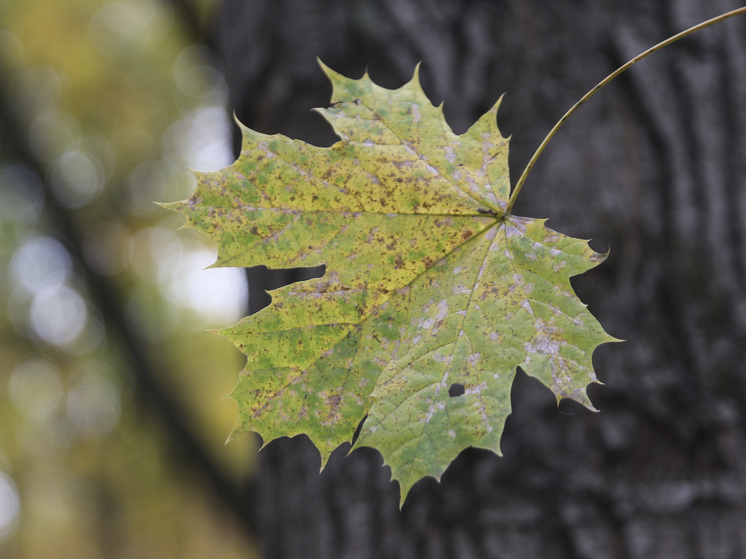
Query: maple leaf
point(432, 296)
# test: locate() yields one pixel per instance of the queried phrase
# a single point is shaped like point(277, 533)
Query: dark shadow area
point(262, 279)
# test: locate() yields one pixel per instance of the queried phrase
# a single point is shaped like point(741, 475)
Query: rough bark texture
point(655, 166)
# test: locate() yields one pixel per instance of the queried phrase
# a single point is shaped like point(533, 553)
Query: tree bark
point(654, 167)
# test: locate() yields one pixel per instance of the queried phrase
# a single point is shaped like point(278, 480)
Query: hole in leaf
point(456, 389)
point(261, 279)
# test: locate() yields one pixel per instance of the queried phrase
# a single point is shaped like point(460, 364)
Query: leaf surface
point(432, 296)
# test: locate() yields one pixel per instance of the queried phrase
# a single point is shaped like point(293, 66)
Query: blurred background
point(111, 410)
point(112, 420)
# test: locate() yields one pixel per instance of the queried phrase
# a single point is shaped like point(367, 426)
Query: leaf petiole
point(601, 84)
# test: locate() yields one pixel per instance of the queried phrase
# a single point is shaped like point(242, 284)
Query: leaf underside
point(432, 296)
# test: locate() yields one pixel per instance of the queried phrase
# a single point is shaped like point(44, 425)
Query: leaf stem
point(601, 84)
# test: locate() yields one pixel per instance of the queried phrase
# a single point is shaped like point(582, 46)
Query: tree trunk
point(655, 167)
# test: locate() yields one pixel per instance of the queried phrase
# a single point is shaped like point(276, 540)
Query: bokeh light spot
point(202, 139)
point(51, 132)
point(154, 252)
point(35, 388)
point(40, 263)
point(10, 505)
point(124, 24)
point(77, 178)
point(196, 76)
point(220, 295)
point(58, 315)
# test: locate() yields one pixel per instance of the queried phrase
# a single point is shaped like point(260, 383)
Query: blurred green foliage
point(116, 103)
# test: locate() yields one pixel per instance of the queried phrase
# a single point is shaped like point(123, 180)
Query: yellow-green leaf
point(432, 296)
